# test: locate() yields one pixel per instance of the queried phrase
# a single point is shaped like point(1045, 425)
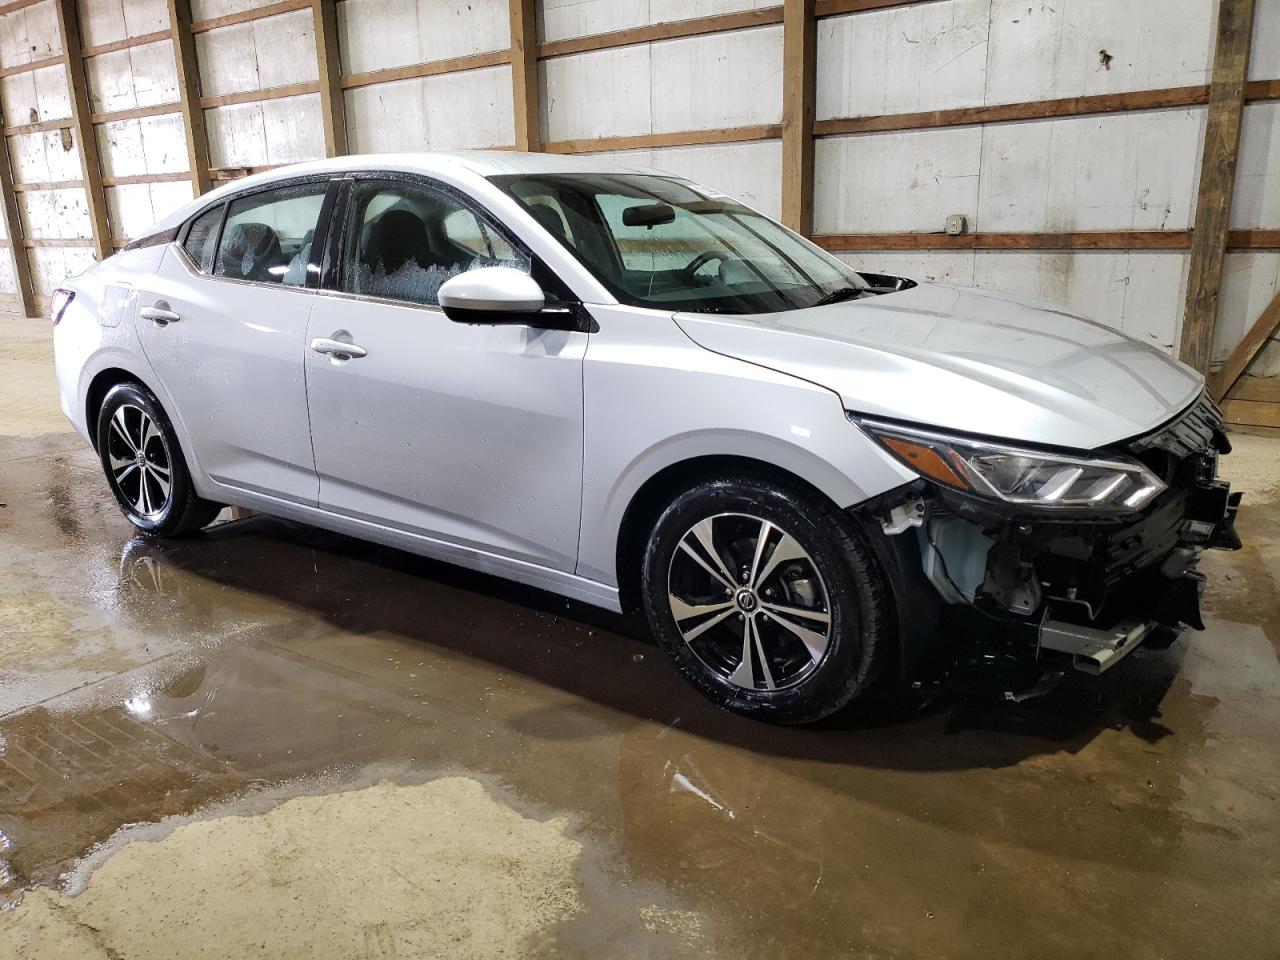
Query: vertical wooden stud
point(524, 74)
point(1217, 180)
point(799, 78)
point(184, 54)
point(24, 289)
point(332, 105)
point(82, 126)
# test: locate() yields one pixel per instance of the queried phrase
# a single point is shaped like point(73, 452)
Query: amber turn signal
point(925, 459)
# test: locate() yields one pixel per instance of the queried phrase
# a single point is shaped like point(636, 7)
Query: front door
point(467, 434)
point(224, 322)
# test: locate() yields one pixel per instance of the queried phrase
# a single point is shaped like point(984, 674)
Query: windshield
point(659, 242)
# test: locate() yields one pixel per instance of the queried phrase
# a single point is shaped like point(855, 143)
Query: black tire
point(854, 599)
point(137, 481)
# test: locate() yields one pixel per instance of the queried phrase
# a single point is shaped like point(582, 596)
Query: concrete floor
point(270, 741)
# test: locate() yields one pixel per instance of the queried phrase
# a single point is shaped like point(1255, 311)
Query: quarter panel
point(654, 399)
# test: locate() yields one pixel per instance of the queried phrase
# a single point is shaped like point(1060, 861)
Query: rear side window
point(202, 238)
point(267, 237)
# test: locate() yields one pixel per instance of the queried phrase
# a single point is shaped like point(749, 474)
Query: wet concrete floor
point(272, 741)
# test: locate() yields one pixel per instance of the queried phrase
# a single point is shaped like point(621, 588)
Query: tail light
point(58, 304)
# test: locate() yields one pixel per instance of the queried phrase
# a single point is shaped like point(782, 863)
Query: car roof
point(483, 163)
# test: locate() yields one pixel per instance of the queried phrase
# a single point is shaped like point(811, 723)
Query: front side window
point(403, 240)
point(202, 238)
point(663, 243)
point(267, 237)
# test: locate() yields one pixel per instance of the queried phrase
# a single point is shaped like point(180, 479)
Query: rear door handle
point(160, 314)
point(338, 349)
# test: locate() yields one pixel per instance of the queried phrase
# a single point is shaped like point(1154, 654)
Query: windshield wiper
point(840, 295)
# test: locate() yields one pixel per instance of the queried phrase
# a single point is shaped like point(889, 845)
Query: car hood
point(961, 359)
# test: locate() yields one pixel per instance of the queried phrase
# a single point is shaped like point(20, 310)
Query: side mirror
point(491, 295)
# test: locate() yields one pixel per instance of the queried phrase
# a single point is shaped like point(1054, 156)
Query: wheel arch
point(652, 497)
point(96, 393)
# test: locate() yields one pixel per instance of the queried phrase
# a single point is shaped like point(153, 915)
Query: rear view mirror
point(648, 215)
point(491, 295)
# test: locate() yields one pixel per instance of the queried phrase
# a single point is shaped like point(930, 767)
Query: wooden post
point(184, 54)
point(1217, 180)
point(799, 78)
point(524, 75)
point(82, 126)
point(324, 13)
point(24, 290)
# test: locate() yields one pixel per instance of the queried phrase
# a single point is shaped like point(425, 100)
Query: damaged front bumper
point(1081, 592)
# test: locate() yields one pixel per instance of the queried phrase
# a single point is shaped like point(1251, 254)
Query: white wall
point(1135, 171)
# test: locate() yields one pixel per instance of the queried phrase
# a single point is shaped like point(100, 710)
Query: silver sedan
point(632, 390)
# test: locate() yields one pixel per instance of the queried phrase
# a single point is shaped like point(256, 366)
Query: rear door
point(468, 434)
point(224, 326)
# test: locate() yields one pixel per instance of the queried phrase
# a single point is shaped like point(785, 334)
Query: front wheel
point(765, 598)
point(145, 467)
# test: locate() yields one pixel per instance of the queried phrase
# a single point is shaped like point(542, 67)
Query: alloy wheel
point(138, 461)
point(749, 601)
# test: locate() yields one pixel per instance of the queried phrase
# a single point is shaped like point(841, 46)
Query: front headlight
point(1028, 477)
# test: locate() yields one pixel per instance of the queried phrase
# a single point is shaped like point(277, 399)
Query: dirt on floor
point(272, 741)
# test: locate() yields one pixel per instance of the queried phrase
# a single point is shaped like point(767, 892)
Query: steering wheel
point(701, 260)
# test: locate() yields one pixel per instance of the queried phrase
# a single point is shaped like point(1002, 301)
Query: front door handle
point(338, 349)
point(160, 314)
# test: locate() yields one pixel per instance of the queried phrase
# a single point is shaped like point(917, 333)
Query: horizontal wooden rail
point(146, 178)
point(126, 44)
point(29, 67)
point(254, 96)
point(701, 26)
point(1262, 90)
point(247, 16)
point(1082, 240)
point(15, 5)
point(32, 242)
point(669, 30)
point(475, 61)
point(44, 126)
point(1012, 112)
point(1078, 240)
point(135, 113)
point(34, 186)
point(684, 138)
point(237, 173)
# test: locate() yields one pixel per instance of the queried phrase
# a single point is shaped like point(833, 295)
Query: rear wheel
point(765, 598)
point(145, 467)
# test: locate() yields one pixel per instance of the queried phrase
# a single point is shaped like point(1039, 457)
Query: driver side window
point(403, 240)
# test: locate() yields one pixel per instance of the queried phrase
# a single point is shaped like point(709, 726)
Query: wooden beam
point(834, 8)
point(683, 138)
point(668, 30)
point(1260, 389)
point(37, 185)
point(1012, 112)
point(333, 112)
point(1253, 239)
point(525, 88)
point(256, 96)
point(1253, 413)
point(44, 126)
point(135, 113)
point(1217, 180)
point(145, 178)
point(1083, 240)
point(184, 54)
point(126, 44)
point(1255, 339)
point(24, 289)
point(86, 138)
point(16, 5)
point(799, 81)
point(432, 68)
point(246, 16)
point(29, 67)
